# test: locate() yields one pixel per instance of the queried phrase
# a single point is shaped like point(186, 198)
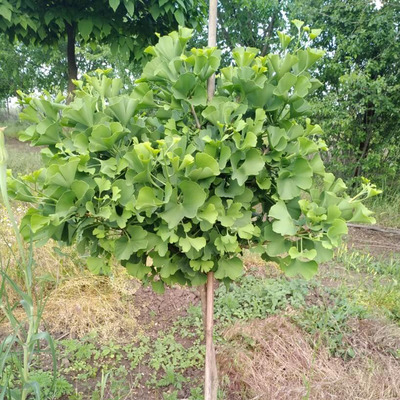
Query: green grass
point(387, 206)
point(329, 321)
point(253, 297)
point(13, 127)
point(378, 288)
point(89, 369)
point(169, 359)
point(23, 160)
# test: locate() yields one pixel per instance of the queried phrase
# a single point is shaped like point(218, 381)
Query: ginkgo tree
point(166, 174)
point(127, 25)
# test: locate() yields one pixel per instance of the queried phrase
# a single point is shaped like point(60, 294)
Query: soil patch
point(158, 311)
point(375, 242)
point(15, 144)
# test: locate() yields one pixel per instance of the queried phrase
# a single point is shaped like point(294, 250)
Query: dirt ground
point(13, 143)
point(385, 242)
point(154, 313)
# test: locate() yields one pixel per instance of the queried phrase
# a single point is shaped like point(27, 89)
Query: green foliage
point(380, 293)
point(329, 322)
point(387, 206)
point(20, 348)
point(165, 359)
point(50, 388)
point(129, 25)
point(364, 138)
point(164, 172)
point(27, 67)
point(170, 359)
point(360, 103)
point(252, 298)
point(383, 296)
point(33, 68)
point(168, 354)
point(9, 69)
point(252, 23)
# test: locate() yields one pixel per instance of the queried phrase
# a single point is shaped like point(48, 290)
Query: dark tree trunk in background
point(72, 68)
point(365, 144)
point(269, 32)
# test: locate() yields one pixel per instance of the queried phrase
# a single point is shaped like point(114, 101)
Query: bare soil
point(375, 242)
point(20, 146)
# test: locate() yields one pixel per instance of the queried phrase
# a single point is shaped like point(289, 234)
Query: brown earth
point(375, 242)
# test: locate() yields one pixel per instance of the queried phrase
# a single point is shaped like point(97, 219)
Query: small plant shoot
point(174, 185)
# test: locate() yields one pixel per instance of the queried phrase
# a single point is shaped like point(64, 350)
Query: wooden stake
point(203, 299)
point(212, 42)
point(211, 373)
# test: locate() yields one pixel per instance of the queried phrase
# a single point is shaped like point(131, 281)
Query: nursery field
point(336, 336)
point(215, 202)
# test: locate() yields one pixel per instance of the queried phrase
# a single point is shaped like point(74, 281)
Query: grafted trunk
point(212, 42)
point(71, 59)
point(211, 373)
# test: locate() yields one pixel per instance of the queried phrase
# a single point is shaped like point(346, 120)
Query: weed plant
point(22, 348)
point(328, 322)
point(252, 298)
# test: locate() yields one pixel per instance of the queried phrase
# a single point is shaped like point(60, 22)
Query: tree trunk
point(363, 150)
point(268, 33)
point(365, 144)
point(211, 373)
point(212, 42)
point(72, 68)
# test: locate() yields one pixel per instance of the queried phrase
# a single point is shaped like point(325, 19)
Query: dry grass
point(255, 265)
point(50, 269)
point(374, 335)
point(272, 359)
point(93, 303)
point(77, 302)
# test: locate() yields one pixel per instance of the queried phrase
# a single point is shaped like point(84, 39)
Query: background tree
point(251, 23)
point(360, 103)
point(32, 68)
point(129, 25)
point(11, 73)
